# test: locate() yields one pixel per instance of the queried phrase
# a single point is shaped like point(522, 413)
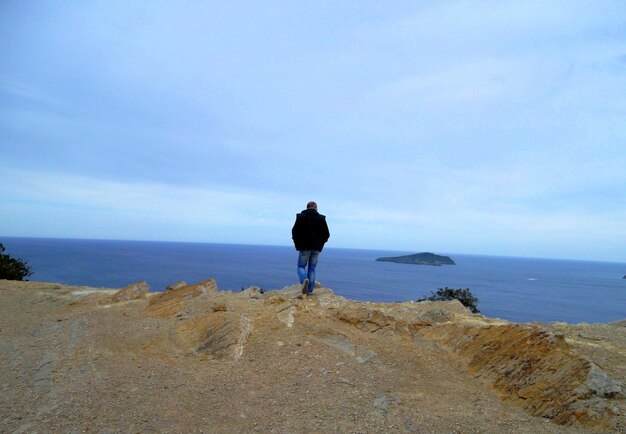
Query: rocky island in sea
point(425, 258)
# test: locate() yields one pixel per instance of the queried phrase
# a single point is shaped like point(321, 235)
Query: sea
point(511, 288)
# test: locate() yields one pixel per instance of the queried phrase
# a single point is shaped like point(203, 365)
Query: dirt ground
point(73, 361)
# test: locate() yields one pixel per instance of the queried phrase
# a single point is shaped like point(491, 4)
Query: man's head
point(311, 205)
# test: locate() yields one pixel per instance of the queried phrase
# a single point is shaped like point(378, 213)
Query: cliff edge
point(195, 359)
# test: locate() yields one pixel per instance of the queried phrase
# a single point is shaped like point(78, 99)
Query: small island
point(420, 259)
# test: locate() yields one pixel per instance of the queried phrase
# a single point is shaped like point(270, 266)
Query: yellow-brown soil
point(195, 359)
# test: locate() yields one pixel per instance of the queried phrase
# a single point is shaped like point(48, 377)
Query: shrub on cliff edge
point(11, 268)
point(463, 295)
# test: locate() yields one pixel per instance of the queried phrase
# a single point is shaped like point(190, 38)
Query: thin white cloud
point(153, 201)
point(482, 81)
point(494, 22)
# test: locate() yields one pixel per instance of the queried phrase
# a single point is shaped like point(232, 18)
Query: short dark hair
point(311, 204)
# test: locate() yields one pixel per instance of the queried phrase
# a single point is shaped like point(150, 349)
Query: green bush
point(11, 268)
point(463, 295)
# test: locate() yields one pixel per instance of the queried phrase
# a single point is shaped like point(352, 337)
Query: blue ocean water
point(515, 289)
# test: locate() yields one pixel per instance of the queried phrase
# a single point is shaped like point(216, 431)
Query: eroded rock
point(176, 285)
point(131, 292)
point(219, 335)
point(533, 368)
point(168, 303)
point(388, 358)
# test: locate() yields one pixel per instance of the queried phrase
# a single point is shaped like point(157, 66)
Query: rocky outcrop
point(170, 303)
point(535, 369)
point(131, 292)
point(228, 360)
point(526, 365)
point(219, 335)
point(176, 285)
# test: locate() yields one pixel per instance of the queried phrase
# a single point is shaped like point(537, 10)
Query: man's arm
point(326, 231)
point(296, 232)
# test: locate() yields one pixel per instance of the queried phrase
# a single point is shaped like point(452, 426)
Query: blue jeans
point(307, 257)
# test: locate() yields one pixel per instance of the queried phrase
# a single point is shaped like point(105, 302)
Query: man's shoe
point(305, 286)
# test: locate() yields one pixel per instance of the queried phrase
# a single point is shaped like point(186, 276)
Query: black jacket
point(310, 231)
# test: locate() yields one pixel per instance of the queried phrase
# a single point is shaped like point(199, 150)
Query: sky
point(480, 127)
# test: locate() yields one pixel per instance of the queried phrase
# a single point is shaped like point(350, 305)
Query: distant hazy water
point(515, 289)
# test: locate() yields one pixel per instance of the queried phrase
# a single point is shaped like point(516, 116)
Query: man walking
point(309, 234)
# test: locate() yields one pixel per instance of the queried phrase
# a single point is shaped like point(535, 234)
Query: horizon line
point(328, 247)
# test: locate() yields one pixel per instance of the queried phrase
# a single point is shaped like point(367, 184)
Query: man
point(309, 234)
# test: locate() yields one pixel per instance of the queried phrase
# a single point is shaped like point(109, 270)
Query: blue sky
point(486, 127)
